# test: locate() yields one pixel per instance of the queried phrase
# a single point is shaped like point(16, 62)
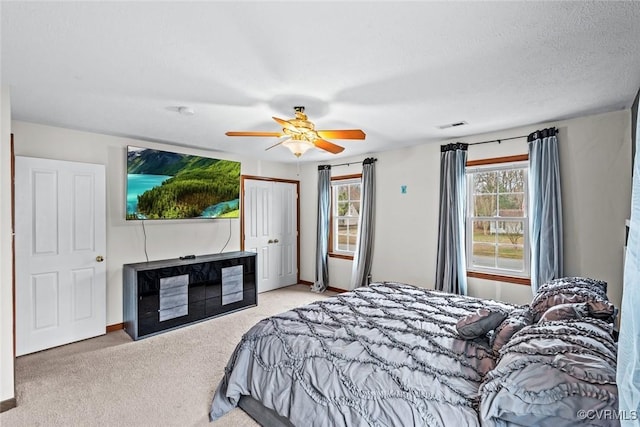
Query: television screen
point(166, 185)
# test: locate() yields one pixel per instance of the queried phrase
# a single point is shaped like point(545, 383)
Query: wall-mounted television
point(167, 185)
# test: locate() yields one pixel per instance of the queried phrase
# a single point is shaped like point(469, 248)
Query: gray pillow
point(599, 286)
point(568, 290)
point(565, 311)
point(517, 320)
point(477, 324)
point(602, 310)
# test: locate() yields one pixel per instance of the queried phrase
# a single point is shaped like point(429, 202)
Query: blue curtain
point(361, 269)
point(628, 378)
point(322, 238)
point(545, 211)
point(451, 268)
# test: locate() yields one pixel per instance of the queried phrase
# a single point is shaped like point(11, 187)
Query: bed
point(393, 354)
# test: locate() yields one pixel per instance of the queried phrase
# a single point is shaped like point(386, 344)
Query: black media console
point(162, 295)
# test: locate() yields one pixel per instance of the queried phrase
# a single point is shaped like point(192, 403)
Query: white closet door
point(270, 228)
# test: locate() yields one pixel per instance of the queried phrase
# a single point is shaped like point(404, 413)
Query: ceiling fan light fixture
point(298, 146)
point(303, 135)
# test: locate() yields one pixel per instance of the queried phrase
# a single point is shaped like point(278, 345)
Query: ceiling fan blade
point(328, 146)
point(276, 144)
point(286, 124)
point(342, 134)
point(276, 134)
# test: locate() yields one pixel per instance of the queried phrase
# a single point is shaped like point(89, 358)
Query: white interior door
point(270, 228)
point(60, 247)
point(286, 232)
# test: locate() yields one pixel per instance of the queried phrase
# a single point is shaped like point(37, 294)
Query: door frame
point(13, 402)
point(288, 181)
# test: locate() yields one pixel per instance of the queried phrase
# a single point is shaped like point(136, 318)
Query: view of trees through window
point(346, 211)
point(498, 218)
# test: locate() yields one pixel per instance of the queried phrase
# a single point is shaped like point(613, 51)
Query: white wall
point(125, 239)
point(596, 171)
point(402, 252)
point(6, 258)
point(596, 184)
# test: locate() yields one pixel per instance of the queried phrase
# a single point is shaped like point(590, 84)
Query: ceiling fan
point(302, 135)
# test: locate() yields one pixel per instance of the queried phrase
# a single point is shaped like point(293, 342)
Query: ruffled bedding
point(558, 373)
point(385, 355)
point(557, 363)
point(393, 354)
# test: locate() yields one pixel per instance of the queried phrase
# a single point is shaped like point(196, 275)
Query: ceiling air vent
point(453, 125)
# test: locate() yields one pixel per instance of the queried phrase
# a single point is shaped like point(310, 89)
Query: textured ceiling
point(397, 70)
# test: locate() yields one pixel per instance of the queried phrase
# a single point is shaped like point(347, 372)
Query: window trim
point(495, 274)
point(500, 278)
point(332, 253)
point(498, 160)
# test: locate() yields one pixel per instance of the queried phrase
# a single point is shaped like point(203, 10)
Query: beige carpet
point(165, 380)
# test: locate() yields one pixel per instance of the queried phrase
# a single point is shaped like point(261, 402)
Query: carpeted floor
point(165, 380)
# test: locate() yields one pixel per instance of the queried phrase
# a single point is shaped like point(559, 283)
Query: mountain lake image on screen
point(168, 185)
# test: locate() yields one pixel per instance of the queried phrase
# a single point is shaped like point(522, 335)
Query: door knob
point(99, 258)
point(270, 241)
point(275, 241)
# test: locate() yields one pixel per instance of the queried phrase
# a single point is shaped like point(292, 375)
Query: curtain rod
point(345, 164)
point(537, 134)
point(499, 140)
point(350, 163)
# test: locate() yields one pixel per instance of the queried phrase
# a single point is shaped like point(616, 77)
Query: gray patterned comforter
point(384, 355)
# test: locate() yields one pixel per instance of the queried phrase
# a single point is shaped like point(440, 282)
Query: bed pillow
point(568, 290)
point(517, 319)
point(477, 324)
point(565, 312)
point(602, 310)
point(599, 286)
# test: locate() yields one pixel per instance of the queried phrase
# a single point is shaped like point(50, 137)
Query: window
point(345, 212)
point(497, 225)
